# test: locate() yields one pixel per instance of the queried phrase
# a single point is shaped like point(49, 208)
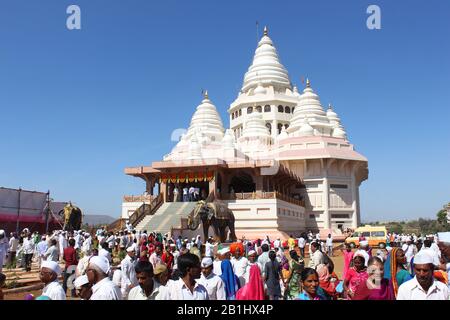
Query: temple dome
point(255, 128)
point(206, 120)
point(259, 89)
point(228, 140)
point(305, 129)
point(338, 129)
point(266, 67)
point(309, 105)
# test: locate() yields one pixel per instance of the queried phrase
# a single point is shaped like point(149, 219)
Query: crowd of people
point(132, 265)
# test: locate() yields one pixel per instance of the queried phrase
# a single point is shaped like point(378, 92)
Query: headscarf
point(391, 268)
point(230, 279)
point(254, 289)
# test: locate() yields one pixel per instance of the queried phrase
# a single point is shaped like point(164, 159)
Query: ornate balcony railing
point(140, 198)
point(264, 195)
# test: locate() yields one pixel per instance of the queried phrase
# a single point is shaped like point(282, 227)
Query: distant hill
point(95, 219)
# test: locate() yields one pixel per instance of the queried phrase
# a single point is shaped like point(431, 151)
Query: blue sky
point(77, 107)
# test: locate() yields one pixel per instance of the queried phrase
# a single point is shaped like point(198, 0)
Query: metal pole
point(18, 212)
point(47, 213)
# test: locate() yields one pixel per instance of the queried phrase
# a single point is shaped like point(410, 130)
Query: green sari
point(293, 289)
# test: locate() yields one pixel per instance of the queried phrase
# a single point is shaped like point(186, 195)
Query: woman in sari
point(355, 276)
point(395, 268)
point(376, 287)
point(327, 281)
point(230, 280)
point(348, 257)
point(296, 266)
point(310, 289)
point(254, 289)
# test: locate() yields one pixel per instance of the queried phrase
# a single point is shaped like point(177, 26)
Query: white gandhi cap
point(52, 265)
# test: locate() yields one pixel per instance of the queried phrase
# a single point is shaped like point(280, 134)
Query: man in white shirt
point(41, 248)
point(222, 254)
point(316, 256)
point(102, 287)
point(209, 248)
point(239, 263)
point(277, 243)
point(427, 248)
point(12, 250)
point(62, 243)
point(191, 193)
point(103, 252)
point(212, 282)
point(423, 286)
point(48, 274)
point(263, 259)
point(3, 248)
point(363, 247)
point(86, 247)
point(251, 261)
point(410, 250)
point(155, 257)
point(128, 277)
point(329, 244)
point(28, 250)
point(301, 244)
point(148, 289)
point(187, 288)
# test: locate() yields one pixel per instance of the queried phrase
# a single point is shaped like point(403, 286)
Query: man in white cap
point(62, 240)
point(83, 287)
point(3, 248)
point(222, 254)
point(427, 248)
point(363, 248)
point(49, 273)
point(102, 287)
point(41, 249)
point(423, 286)
point(209, 248)
point(212, 282)
point(128, 277)
point(251, 257)
point(410, 250)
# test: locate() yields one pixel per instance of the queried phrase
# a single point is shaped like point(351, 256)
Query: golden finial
point(329, 106)
point(205, 94)
point(308, 83)
point(266, 31)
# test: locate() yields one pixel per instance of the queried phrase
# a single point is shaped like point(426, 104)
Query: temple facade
point(284, 165)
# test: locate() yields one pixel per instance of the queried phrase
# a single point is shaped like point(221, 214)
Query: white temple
point(284, 166)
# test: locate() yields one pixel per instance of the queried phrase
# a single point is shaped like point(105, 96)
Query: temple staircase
point(168, 215)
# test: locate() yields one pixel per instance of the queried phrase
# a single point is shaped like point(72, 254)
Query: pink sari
point(355, 279)
point(254, 289)
point(348, 257)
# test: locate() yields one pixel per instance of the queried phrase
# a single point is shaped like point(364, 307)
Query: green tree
point(442, 217)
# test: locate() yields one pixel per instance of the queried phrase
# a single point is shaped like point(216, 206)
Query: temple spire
point(308, 83)
point(266, 31)
point(205, 94)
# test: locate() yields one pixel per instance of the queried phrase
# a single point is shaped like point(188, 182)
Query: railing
point(145, 209)
point(140, 198)
point(116, 225)
point(264, 195)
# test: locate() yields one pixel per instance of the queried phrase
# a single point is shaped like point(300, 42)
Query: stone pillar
point(326, 203)
point(213, 184)
point(355, 200)
point(274, 128)
point(163, 190)
point(259, 183)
